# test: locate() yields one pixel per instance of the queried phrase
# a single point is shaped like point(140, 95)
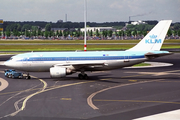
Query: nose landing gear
point(28, 76)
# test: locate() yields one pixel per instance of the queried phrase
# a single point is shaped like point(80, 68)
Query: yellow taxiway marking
point(4, 84)
point(106, 79)
point(132, 76)
point(28, 97)
point(66, 99)
point(19, 91)
point(89, 99)
point(43, 90)
point(38, 88)
point(132, 80)
point(139, 101)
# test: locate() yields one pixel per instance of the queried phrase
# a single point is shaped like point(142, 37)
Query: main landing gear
point(82, 75)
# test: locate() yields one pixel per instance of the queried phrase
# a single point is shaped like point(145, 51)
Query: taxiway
point(123, 94)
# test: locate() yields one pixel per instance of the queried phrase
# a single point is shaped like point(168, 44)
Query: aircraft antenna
point(85, 20)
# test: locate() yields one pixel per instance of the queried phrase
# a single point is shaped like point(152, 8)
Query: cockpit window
point(15, 58)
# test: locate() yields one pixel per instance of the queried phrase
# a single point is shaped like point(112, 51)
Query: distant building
point(56, 29)
point(138, 22)
point(60, 21)
point(59, 29)
point(100, 29)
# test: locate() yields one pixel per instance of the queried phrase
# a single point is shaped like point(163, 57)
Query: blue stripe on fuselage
point(81, 58)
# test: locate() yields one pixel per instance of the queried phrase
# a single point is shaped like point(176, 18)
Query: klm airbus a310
point(60, 64)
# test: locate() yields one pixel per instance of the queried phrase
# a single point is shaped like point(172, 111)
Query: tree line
point(22, 26)
point(39, 28)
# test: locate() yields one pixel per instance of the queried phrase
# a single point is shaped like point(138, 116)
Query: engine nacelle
point(59, 72)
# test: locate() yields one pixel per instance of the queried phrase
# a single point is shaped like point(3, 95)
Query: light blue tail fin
point(154, 39)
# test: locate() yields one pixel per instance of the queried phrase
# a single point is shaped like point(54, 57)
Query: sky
point(97, 10)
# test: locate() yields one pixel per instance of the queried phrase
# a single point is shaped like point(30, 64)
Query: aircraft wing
point(80, 65)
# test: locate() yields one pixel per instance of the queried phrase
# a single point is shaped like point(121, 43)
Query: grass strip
point(71, 47)
point(61, 47)
point(141, 65)
point(81, 41)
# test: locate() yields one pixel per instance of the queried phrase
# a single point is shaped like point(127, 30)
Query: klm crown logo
point(153, 36)
point(153, 39)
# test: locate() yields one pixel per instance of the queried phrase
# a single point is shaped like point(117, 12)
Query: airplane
point(61, 64)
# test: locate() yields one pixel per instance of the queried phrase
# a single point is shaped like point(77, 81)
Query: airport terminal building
point(100, 29)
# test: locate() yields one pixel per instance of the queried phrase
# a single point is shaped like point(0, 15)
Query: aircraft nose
point(6, 63)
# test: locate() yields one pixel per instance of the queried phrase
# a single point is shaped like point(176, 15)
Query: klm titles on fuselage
point(153, 39)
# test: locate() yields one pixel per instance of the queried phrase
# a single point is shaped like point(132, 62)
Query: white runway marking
point(4, 84)
point(172, 115)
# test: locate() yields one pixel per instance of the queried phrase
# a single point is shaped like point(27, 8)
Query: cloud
point(98, 10)
point(116, 5)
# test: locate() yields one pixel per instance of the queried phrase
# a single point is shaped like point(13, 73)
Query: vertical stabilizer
point(154, 39)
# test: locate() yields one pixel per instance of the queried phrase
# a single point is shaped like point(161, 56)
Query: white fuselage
point(41, 62)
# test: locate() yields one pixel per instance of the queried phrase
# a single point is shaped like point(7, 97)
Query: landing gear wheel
point(85, 76)
point(28, 77)
point(80, 76)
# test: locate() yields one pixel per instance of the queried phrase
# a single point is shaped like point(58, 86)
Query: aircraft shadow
point(90, 78)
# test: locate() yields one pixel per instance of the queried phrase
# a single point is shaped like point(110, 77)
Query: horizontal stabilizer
point(155, 55)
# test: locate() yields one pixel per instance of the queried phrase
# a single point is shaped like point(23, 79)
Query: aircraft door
point(25, 60)
point(67, 59)
point(126, 58)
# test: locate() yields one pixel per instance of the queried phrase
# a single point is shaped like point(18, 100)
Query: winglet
point(154, 39)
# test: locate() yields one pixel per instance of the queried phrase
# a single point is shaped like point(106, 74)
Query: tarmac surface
point(122, 94)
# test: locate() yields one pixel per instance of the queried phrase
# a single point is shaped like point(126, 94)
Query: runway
point(123, 94)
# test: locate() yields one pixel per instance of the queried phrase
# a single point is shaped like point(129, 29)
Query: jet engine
point(59, 72)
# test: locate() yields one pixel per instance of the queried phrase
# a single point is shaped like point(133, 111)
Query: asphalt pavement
point(123, 94)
